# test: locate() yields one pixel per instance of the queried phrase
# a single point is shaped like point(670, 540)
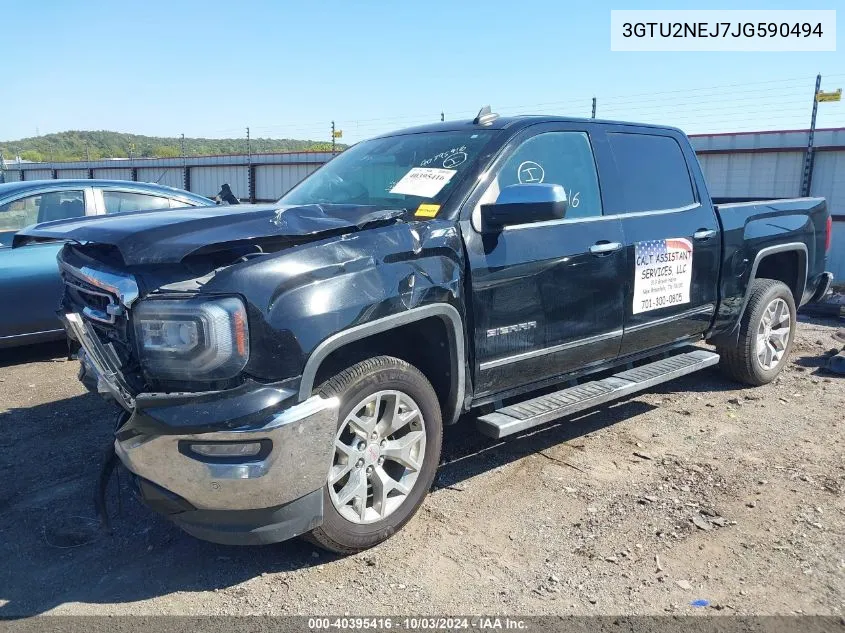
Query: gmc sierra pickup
point(287, 369)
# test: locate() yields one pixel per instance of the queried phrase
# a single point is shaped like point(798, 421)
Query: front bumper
point(271, 496)
point(300, 442)
point(238, 527)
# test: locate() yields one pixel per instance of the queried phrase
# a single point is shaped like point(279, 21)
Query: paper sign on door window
point(425, 182)
point(662, 273)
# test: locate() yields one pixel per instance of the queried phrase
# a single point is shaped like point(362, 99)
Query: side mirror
point(525, 203)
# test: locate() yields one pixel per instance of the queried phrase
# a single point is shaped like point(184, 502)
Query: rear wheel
point(766, 335)
point(387, 449)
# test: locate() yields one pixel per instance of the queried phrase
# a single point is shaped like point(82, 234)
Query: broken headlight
point(192, 339)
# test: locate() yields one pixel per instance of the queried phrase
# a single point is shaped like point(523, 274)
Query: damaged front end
point(232, 465)
point(204, 350)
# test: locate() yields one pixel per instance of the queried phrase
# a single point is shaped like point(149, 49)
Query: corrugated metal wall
point(829, 181)
point(735, 165)
point(275, 174)
point(170, 176)
point(206, 181)
point(771, 164)
point(273, 181)
point(110, 173)
point(39, 174)
point(72, 173)
point(764, 174)
point(748, 141)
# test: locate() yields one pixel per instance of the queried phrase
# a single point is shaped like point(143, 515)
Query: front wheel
point(386, 453)
point(766, 335)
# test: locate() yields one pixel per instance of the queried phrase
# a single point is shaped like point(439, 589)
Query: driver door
point(547, 297)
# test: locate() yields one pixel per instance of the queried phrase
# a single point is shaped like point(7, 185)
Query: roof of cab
point(26, 185)
point(515, 122)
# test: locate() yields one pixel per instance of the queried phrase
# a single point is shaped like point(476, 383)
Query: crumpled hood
point(160, 237)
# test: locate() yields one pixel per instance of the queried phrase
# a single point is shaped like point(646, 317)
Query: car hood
point(156, 237)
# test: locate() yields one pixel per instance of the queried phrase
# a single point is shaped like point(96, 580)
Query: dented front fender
point(301, 296)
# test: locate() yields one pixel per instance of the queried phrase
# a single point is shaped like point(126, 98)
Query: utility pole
point(186, 174)
point(87, 153)
point(807, 179)
point(333, 137)
point(250, 183)
point(594, 108)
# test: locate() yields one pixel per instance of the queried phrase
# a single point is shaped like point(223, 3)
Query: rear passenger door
point(671, 235)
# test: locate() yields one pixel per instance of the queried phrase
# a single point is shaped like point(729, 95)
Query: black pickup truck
point(287, 369)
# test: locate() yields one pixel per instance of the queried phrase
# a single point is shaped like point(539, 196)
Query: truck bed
point(769, 233)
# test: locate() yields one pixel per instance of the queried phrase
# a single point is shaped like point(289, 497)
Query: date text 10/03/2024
point(421, 623)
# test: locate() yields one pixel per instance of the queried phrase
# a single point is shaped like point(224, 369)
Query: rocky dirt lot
point(698, 490)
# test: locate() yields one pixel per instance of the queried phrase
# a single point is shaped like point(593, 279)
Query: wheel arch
point(443, 312)
point(772, 262)
point(766, 264)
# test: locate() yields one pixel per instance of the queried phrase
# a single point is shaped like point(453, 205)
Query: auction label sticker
point(662, 273)
point(425, 182)
point(427, 210)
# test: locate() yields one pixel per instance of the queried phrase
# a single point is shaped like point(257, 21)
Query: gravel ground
point(697, 490)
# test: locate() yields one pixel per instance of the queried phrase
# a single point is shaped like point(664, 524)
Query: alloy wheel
point(379, 450)
point(773, 333)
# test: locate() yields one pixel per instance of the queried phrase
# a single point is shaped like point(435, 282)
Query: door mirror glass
point(523, 204)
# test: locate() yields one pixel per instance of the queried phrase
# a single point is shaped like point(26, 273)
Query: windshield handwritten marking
point(453, 160)
point(444, 155)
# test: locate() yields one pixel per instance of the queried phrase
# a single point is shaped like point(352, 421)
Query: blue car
point(30, 286)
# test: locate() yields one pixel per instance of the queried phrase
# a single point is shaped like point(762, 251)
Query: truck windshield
point(397, 171)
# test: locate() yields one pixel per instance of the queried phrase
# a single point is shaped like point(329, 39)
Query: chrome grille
point(106, 364)
point(95, 313)
point(97, 305)
point(121, 289)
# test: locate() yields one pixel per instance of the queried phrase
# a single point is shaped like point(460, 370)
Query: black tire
point(740, 362)
point(337, 534)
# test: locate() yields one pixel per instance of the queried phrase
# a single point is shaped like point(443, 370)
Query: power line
point(776, 95)
point(704, 110)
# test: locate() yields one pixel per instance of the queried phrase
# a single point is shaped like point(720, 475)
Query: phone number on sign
point(659, 302)
point(721, 29)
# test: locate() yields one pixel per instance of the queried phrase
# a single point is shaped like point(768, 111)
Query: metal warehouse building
point(255, 177)
point(746, 164)
point(772, 165)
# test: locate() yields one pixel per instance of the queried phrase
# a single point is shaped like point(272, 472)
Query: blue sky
point(209, 68)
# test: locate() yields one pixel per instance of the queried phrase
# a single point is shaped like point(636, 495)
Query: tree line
point(84, 145)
